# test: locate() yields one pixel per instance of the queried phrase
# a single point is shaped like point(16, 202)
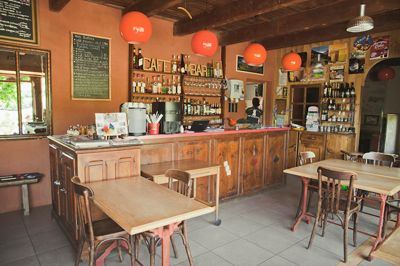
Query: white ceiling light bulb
point(361, 23)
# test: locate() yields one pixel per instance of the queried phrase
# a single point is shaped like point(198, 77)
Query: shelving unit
point(339, 119)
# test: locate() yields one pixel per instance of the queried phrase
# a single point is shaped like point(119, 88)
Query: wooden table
point(381, 180)
point(137, 205)
point(195, 168)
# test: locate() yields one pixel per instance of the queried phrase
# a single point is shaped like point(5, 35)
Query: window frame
point(303, 103)
point(49, 114)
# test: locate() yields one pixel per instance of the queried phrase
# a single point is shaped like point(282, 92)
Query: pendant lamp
point(135, 27)
point(291, 61)
point(204, 43)
point(361, 23)
point(386, 73)
point(255, 54)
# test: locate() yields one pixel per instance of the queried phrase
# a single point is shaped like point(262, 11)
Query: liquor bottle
point(178, 86)
point(347, 90)
point(143, 87)
point(173, 89)
point(134, 58)
point(159, 84)
point(140, 59)
point(138, 84)
point(189, 107)
point(154, 85)
point(184, 107)
point(134, 84)
point(352, 91)
point(329, 91)
point(326, 90)
point(182, 65)
point(187, 62)
point(174, 65)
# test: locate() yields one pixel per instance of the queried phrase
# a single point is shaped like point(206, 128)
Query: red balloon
point(135, 27)
point(291, 62)
point(204, 43)
point(386, 73)
point(255, 54)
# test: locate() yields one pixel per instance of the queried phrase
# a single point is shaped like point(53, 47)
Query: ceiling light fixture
point(361, 23)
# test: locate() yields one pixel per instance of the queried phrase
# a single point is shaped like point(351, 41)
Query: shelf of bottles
point(338, 107)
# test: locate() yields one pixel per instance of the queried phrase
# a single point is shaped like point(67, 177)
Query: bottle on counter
point(140, 59)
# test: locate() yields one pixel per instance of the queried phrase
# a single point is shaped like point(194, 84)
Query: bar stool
point(101, 231)
point(331, 201)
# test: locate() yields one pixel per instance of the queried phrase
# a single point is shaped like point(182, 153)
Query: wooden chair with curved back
point(95, 233)
point(306, 157)
point(377, 158)
point(331, 201)
point(181, 182)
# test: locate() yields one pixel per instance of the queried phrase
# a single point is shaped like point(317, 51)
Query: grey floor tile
point(273, 239)
point(212, 237)
point(16, 249)
point(277, 261)
point(315, 256)
point(262, 216)
point(59, 257)
point(240, 227)
point(50, 240)
point(207, 259)
point(40, 220)
point(243, 253)
point(28, 261)
point(197, 223)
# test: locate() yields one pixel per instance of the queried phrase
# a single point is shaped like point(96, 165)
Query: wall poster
point(241, 66)
point(380, 48)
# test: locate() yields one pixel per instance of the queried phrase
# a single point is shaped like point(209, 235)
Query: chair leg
point(137, 247)
point(91, 255)
point(119, 250)
point(185, 240)
point(386, 218)
point(152, 251)
point(345, 228)
point(174, 247)
point(315, 225)
point(132, 250)
point(355, 216)
point(324, 223)
point(79, 252)
point(311, 192)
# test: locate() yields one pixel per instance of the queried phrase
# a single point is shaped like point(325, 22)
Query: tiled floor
point(254, 231)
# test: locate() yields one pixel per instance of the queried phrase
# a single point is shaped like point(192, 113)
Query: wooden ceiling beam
point(338, 12)
point(57, 5)
point(152, 7)
point(237, 11)
point(383, 22)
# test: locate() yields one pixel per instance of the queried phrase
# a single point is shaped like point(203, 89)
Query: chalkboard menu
point(90, 67)
point(18, 21)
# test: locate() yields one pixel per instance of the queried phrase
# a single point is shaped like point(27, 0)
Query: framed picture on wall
point(371, 120)
point(241, 66)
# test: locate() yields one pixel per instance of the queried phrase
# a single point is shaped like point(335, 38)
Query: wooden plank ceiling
point(274, 23)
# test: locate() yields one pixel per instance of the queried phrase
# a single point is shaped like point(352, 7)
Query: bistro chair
point(307, 157)
point(181, 182)
point(351, 156)
point(375, 158)
point(95, 233)
point(334, 200)
point(392, 206)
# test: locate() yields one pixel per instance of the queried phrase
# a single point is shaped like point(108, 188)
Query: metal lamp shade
point(361, 23)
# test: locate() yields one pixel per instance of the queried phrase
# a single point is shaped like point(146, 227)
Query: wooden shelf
point(337, 122)
point(154, 72)
point(200, 77)
point(202, 95)
point(202, 116)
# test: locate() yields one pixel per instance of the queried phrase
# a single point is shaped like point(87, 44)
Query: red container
point(154, 128)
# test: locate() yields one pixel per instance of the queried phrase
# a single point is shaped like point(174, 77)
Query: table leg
point(217, 220)
point(100, 260)
point(303, 212)
point(25, 198)
point(379, 239)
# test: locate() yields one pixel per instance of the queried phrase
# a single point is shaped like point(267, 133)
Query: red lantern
point(291, 62)
point(386, 73)
point(135, 27)
point(204, 43)
point(255, 54)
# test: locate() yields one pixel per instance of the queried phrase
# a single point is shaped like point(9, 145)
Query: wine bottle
point(174, 67)
point(134, 58)
point(182, 65)
point(140, 59)
point(352, 91)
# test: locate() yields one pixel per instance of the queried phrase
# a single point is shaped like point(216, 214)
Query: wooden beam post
point(338, 12)
point(57, 5)
point(151, 7)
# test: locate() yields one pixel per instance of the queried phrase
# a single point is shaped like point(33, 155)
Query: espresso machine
point(171, 121)
point(136, 115)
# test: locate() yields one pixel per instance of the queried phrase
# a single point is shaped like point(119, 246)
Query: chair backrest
point(306, 157)
point(347, 156)
point(183, 184)
point(83, 195)
point(332, 182)
point(378, 158)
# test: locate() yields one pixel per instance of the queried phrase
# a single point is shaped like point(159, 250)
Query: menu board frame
point(35, 30)
point(72, 68)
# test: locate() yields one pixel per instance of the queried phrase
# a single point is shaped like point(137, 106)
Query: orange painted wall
point(55, 30)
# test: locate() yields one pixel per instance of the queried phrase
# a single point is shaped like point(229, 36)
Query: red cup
point(154, 128)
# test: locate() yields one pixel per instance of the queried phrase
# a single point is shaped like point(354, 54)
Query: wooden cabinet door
point(318, 151)
point(292, 149)
point(108, 165)
point(197, 150)
point(313, 142)
point(226, 154)
point(275, 158)
point(337, 142)
point(54, 178)
point(253, 156)
point(67, 201)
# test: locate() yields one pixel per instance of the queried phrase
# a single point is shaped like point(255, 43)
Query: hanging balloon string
point(185, 10)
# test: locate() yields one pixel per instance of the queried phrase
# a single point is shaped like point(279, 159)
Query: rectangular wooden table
point(381, 180)
point(137, 205)
point(195, 168)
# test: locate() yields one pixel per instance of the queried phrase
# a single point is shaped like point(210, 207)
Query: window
point(25, 109)
point(303, 97)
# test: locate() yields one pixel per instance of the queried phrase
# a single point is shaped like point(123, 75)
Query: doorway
point(380, 108)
